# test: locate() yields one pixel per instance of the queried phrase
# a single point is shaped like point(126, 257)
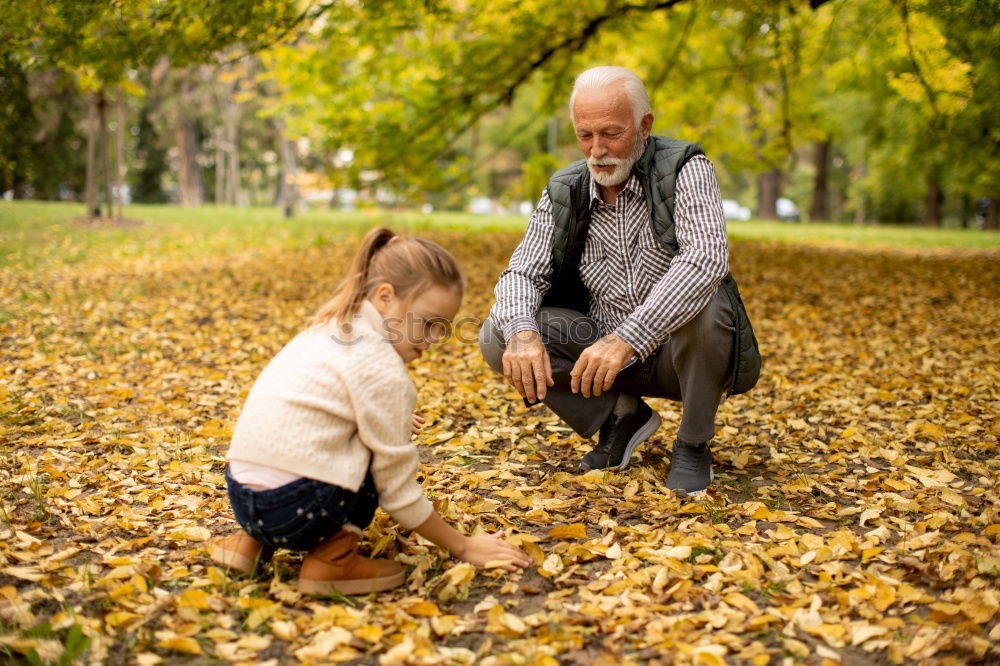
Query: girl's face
point(416, 324)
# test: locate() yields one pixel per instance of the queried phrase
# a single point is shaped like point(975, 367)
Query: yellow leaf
point(194, 598)
point(260, 615)
point(678, 552)
point(370, 632)
point(869, 553)
point(194, 533)
point(574, 531)
point(180, 644)
point(424, 609)
point(953, 498)
point(119, 618)
point(885, 596)
point(254, 642)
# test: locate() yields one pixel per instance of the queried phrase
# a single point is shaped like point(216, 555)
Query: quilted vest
point(657, 169)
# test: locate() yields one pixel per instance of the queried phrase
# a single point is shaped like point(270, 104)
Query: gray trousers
point(692, 366)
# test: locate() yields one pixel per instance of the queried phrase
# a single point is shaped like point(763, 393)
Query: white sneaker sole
point(640, 436)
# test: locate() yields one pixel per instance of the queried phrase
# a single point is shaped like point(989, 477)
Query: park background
point(186, 181)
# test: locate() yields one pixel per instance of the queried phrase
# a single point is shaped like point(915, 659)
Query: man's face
point(607, 133)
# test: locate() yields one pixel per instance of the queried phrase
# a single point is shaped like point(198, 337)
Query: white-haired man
point(621, 288)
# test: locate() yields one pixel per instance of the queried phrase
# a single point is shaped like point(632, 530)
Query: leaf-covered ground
point(854, 517)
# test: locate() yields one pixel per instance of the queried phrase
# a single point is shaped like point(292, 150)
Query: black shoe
point(690, 468)
point(619, 437)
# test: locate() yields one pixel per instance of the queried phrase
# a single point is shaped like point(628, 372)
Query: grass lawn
point(38, 234)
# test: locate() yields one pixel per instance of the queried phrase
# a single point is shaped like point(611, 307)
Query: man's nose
point(597, 148)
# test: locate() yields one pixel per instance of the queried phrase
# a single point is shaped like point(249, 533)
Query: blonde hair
point(410, 265)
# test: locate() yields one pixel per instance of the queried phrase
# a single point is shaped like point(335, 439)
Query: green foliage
point(413, 97)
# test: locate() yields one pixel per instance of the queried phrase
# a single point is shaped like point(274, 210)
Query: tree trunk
point(90, 189)
point(104, 146)
point(968, 212)
point(120, 132)
point(933, 203)
point(820, 209)
point(220, 168)
point(860, 209)
point(189, 172)
point(233, 196)
point(990, 221)
point(288, 187)
point(768, 191)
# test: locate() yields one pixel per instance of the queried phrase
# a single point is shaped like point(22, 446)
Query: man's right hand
point(526, 365)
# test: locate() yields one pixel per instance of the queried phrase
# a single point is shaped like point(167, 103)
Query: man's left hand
point(599, 364)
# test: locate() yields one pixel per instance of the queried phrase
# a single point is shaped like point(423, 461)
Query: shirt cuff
point(638, 336)
point(518, 324)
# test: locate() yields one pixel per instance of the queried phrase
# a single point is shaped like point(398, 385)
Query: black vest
point(657, 169)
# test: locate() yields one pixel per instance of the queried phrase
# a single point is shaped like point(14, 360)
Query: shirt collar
point(631, 186)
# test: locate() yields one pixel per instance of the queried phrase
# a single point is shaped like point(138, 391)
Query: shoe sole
point(641, 435)
point(325, 588)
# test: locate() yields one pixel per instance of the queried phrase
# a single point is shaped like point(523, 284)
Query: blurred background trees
point(853, 110)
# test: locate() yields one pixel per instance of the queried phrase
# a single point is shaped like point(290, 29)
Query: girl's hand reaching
point(418, 423)
point(479, 550)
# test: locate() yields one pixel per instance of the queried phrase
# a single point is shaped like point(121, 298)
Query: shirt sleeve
point(383, 398)
point(527, 278)
point(695, 272)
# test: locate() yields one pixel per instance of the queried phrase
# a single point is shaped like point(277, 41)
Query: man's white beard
point(623, 166)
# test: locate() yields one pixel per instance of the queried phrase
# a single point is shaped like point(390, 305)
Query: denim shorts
point(302, 514)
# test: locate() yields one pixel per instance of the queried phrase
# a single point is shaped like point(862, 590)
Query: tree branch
point(917, 69)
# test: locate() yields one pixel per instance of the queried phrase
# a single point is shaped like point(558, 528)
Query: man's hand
point(599, 364)
point(526, 365)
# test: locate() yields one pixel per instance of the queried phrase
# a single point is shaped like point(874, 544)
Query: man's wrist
point(519, 325)
point(638, 340)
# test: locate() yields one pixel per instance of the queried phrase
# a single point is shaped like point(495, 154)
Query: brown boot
point(334, 567)
point(240, 552)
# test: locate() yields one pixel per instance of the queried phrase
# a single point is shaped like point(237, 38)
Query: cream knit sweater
point(326, 408)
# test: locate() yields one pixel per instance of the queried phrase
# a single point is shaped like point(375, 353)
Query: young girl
point(324, 436)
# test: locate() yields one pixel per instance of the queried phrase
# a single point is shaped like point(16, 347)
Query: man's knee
point(491, 345)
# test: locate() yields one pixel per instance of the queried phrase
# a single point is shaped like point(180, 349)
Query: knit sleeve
point(383, 398)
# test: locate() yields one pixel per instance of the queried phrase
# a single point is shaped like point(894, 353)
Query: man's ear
point(647, 124)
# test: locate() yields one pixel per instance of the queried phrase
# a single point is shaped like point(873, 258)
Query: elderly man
point(621, 289)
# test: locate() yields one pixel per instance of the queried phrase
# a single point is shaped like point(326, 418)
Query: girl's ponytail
point(347, 299)
point(410, 265)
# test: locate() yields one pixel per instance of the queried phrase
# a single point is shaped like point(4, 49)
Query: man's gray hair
point(606, 75)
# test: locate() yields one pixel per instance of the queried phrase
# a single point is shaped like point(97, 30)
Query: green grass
point(35, 235)
point(882, 235)
point(39, 234)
